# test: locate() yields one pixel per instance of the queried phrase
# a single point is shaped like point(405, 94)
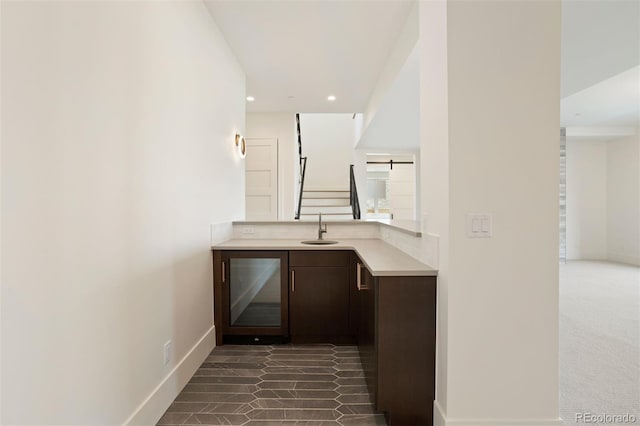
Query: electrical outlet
point(248, 230)
point(168, 348)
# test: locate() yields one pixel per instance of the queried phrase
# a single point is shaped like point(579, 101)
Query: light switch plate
point(479, 225)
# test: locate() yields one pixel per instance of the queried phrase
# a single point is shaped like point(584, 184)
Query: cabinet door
point(319, 302)
point(366, 306)
point(354, 295)
point(406, 338)
point(253, 295)
point(218, 282)
point(367, 330)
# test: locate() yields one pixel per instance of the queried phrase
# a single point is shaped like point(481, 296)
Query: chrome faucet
point(321, 229)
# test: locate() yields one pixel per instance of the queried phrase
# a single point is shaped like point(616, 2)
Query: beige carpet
point(599, 339)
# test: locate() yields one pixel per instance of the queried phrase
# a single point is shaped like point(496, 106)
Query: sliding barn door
point(402, 191)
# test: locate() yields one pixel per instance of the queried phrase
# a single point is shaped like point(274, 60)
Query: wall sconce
point(241, 145)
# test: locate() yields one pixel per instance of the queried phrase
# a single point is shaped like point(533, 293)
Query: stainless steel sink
point(319, 242)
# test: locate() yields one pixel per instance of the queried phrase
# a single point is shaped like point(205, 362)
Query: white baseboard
point(440, 419)
point(154, 406)
point(623, 258)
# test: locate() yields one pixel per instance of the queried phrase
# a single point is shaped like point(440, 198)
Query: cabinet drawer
point(319, 258)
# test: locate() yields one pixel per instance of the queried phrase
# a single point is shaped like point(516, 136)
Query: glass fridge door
point(255, 296)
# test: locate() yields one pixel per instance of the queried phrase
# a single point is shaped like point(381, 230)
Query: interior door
point(402, 191)
point(261, 179)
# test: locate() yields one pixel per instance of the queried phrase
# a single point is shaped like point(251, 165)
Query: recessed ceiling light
point(331, 98)
point(250, 98)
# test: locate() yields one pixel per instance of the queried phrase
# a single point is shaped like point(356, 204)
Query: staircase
point(334, 205)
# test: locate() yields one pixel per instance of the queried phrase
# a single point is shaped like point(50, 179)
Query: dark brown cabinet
point(396, 341)
point(405, 341)
point(329, 296)
point(319, 296)
point(366, 326)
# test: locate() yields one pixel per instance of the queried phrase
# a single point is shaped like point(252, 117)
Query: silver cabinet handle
point(224, 272)
point(293, 281)
point(359, 276)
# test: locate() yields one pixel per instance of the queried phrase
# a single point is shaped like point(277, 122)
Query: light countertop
point(409, 227)
point(380, 258)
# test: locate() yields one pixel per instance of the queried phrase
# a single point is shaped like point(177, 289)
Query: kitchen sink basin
point(319, 242)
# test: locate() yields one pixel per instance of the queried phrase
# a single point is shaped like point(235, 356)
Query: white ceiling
point(614, 102)
point(600, 73)
point(295, 54)
point(600, 39)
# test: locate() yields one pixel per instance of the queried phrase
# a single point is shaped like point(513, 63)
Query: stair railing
point(303, 167)
point(299, 139)
point(353, 194)
point(303, 162)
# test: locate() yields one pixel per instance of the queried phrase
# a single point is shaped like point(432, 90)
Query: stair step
point(328, 219)
point(329, 208)
point(325, 193)
point(326, 205)
point(316, 213)
point(314, 202)
point(325, 214)
point(325, 198)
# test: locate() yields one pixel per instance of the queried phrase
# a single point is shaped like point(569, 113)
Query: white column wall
point(434, 165)
point(495, 127)
point(586, 199)
point(118, 123)
point(623, 200)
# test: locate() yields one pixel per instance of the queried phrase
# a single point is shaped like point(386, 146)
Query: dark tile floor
point(309, 385)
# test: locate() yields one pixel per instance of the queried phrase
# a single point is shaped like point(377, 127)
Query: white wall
point(117, 154)
point(586, 199)
point(396, 123)
point(603, 199)
point(396, 60)
point(327, 141)
point(282, 127)
point(434, 180)
point(391, 120)
point(623, 200)
point(489, 144)
point(1, 222)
